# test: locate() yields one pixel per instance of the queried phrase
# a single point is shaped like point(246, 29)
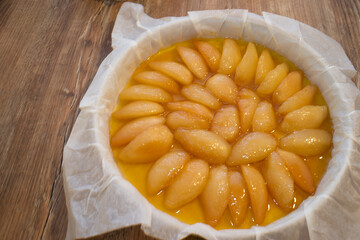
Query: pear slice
point(307, 117)
point(215, 196)
point(145, 92)
point(204, 144)
point(226, 123)
point(223, 88)
point(288, 87)
point(245, 71)
point(158, 80)
point(199, 94)
point(307, 142)
point(273, 79)
point(173, 69)
point(191, 107)
point(181, 119)
point(230, 58)
point(131, 129)
point(187, 185)
point(247, 110)
point(165, 169)
point(279, 181)
point(253, 147)
point(138, 109)
point(302, 98)
point(264, 119)
point(247, 105)
point(257, 191)
point(246, 93)
point(239, 197)
point(194, 61)
point(148, 146)
point(264, 66)
point(210, 53)
point(299, 170)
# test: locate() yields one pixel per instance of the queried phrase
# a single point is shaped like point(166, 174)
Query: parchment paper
point(99, 200)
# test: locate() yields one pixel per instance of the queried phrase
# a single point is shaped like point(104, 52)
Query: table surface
point(49, 53)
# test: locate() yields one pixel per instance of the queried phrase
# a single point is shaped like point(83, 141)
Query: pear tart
point(223, 132)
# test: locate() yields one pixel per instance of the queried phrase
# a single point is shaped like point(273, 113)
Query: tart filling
point(221, 131)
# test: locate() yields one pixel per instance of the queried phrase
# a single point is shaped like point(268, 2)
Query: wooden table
point(49, 53)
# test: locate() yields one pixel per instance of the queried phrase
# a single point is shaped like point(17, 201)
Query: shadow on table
point(133, 232)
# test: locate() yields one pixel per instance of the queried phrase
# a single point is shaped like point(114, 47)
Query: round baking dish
point(100, 200)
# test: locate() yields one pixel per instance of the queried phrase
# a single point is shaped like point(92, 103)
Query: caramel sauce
point(192, 212)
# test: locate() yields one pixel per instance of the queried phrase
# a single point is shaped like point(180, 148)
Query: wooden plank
point(47, 62)
point(49, 52)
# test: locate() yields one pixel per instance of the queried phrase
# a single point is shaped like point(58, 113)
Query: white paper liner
point(98, 198)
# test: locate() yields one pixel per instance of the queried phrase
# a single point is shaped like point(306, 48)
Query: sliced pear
point(307, 117)
point(148, 146)
point(279, 181)
point(173, 69)
point(299, 170)
point(194, 61)
point(247, 109)
point(273, 79)
point(187, 185)
point(210, 53)
point(245, 71)
point(145, 92)
point(246, 93)
point(247, 105)
point(253, 147)
point(191, 107)
point(264, 119)
point(302, 98)
point(204, 144)
point(257, 191)
point(165, 169)
point(223, 88)
point(215, 196)
point(288, 87)
point(181, 119)
point(239, 197)
point(138, 109)
point(199, 94)
point(176, 146)
point(131, 129)
point(230, 58)
point(307, 142)
point(157, 79)
point(264, 66)
point(226, 123)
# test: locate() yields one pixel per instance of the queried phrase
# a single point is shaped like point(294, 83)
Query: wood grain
point(49, 53)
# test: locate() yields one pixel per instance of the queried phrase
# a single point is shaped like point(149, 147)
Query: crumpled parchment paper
point(99, 200)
